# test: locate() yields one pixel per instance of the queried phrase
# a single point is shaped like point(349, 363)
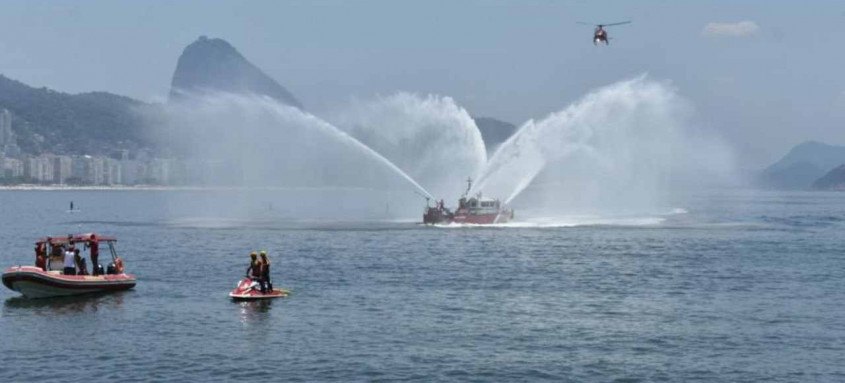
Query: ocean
point(735, 286)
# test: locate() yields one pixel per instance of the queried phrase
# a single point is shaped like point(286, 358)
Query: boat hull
point(32, 282)
point(482, 219)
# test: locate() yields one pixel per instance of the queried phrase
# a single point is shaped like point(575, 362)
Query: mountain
point(215, 65)
point(803, 164)
point(494, 132)
point(833, 180)
point(45, 120)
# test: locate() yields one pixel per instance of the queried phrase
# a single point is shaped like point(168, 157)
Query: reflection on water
point(254, 311)
point(88, 303)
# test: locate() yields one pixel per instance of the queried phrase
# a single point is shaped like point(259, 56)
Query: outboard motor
point(112, 269)
point(100, 270)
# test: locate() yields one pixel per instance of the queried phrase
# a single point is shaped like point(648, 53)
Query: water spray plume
point(431, 138)
point(271, 144)
point(619, 147)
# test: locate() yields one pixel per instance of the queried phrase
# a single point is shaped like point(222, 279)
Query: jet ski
point(250, 290)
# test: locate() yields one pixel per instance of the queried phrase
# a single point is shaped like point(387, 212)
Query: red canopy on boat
point(74, 238)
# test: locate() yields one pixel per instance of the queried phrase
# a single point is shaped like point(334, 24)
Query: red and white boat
point(475, 210)
point(249, 290)
point(47, 278)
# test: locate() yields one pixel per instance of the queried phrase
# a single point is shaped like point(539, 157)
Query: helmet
point(263, 253)
point(253, 254)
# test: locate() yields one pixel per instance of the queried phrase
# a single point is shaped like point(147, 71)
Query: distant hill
point(804, 164)
point(45, 120)
point(833, 180)
point(494, 132)
point(215, 65)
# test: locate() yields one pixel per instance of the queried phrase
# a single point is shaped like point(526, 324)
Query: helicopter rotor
point(604, 25)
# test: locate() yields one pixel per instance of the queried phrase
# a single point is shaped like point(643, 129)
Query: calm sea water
point(738, 286)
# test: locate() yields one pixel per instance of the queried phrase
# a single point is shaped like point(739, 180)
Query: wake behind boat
point(54, 274)
point(475, 210)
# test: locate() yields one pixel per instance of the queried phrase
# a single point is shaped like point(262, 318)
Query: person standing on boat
point(265, 273)
point(56, 259)
point(254, 270)
point(94, 245)
point(41, 256)
point(70, 262)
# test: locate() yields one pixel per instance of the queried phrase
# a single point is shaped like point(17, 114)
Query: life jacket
point(255, 269)
point(265, 270)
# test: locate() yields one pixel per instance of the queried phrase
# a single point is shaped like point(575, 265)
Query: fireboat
point(471, 210)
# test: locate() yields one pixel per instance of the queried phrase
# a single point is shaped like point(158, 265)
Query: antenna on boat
point(469, 186)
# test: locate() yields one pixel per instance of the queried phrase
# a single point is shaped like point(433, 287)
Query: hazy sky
point(765, 74)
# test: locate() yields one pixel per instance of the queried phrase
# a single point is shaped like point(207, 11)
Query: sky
point(764, 75)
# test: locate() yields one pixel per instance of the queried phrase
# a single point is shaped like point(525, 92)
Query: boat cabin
point(480, 205)
point(90, 246)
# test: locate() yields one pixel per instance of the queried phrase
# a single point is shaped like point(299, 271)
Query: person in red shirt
point(94, 244)
point(40, 256)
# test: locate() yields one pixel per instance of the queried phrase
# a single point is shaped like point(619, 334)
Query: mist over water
point(624, 148)
point(431, 138)
point(627, 148)
point(269, 149)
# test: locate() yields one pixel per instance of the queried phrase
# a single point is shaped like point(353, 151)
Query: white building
point(7, 137)
point(62, 169)
point(94, 170)
point(38, 169)
point(12, 167)
point(111, 172)
point(158, 171)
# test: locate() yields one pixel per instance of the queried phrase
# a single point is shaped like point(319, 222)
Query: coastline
point(35, 187)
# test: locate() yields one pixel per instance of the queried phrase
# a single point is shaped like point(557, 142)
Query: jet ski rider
point(254, 270)
point(266, 284)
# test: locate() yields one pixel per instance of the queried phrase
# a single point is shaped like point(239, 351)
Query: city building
point(62, 169)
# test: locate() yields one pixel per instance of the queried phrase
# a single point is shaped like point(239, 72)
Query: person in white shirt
point(70, 262)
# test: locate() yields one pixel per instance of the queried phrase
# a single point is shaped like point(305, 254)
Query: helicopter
point(600, 35)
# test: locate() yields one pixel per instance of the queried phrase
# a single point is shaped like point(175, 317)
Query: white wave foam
point(572, 221)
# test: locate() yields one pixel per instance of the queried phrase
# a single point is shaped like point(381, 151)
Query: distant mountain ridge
point(45, 120)
point(100, 123)
point(215, 65)
point(833, 180)
point(804, 164)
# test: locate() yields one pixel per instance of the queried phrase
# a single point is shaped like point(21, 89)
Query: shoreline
point(34, 187)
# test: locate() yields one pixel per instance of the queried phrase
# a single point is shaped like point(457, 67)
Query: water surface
point(736, 286)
